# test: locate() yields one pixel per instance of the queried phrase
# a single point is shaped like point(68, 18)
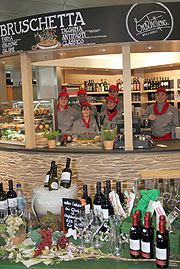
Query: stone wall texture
point(29, 168)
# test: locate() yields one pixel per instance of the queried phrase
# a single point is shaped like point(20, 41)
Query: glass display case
point(12, 127)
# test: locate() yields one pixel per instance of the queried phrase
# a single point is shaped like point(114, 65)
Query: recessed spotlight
point(61, 53)
point(103, 49)
point(149, 47)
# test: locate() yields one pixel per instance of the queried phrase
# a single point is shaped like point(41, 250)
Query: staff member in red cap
point(86, 124)
point(113, 91)
point(65, 114)
point(163, 117)
point(82, 98)
point(111, 114)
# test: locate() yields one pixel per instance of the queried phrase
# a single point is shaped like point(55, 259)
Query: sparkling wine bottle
point(147, 240)
point(162, 247)
point(135, 237)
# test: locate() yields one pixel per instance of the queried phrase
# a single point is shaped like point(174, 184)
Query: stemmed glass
point(97, 224)
point(115, 238)
point(79, 225)
point(88, 219)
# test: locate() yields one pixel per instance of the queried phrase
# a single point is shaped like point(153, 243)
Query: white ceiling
point(13, 9)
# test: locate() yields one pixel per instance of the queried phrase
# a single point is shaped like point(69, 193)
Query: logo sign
point(149, 22)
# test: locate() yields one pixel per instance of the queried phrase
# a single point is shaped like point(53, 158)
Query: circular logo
point(149, 22)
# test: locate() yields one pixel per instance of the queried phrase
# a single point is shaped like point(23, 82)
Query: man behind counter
point(163, 117)
point(113, 91)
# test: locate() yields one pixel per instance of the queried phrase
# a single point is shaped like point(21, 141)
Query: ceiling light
point(149, 47)
point(61, 53)
point(85, 69)
point(103, 49)
point(171, 64)
point(107, 70)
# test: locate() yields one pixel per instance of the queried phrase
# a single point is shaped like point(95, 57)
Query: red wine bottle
point(106, 205)
point(12, 199)
point(135, 237)
point(138, 213)
point(148, 214)
point(147, 240)
point(118, 191)
point(162, 247)
point(98, 198)
point(88, 200)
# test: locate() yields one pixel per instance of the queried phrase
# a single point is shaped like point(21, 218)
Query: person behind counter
point(113, 91)
point(163, 117)
point(111, 114)
point(82, 98)
point(65, 114)
point(87, 123)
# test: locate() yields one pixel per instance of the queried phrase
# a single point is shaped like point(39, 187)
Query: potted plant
point(51, 136)
point(108, 136)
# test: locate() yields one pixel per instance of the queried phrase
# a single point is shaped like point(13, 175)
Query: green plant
point(108, 134)
point(51, 135)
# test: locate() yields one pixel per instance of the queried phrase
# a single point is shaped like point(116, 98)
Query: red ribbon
point(111, 115)
point(58, 106)
point(86, 123)
point(164, 137)
point(165, 107)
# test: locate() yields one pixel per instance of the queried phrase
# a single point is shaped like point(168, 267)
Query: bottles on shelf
point(88, 205)
point(135, 237)
point(162, 247)
point(53, 180)
point(66, 175)
point(98, 198)
point(135, 86)
point(155, 83)
point(47, 176)
point(147, 240)
point(12, 200)
point(3, 204)
point(92, 86)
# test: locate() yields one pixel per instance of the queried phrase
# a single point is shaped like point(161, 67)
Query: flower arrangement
point(51, 135)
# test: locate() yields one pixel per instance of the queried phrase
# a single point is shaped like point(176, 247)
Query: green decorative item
point(51, 135)
point(108, 134)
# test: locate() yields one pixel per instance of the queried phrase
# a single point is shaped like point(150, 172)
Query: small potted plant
point(51, 136)
point(108, 136)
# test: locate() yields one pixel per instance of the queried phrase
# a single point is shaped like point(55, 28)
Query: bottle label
point(105, 214)
point(97, 208)
point(65, 177)
point(161, 253)
point(87, 209)
point(46, 179)
point(134, 245)
point(12, 202)
point(54, 186)
point(145, 249)
point(3, 205)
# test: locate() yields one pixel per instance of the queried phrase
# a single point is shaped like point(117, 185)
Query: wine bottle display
point(3, 204)
point(12, 200)
point(88, 200)
point(134, 242)
point(66, 175)
point(147, 240)
point(162, 247)
point(53, 181)
point(46, 181)
point(98, 198)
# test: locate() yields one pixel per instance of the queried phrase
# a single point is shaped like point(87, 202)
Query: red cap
point(111, 98)
point(63, 94)
point(85, 104)
point(162, 218)
point(161, 89)
point(138, 213)
point(146, 222)
point(63, 89)
point(114, 87)
point(81, 91)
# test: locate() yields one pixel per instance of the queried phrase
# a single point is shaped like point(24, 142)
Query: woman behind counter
point(86, 124)
point(65, 114)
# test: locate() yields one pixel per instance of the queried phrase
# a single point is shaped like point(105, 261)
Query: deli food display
point(12, 128)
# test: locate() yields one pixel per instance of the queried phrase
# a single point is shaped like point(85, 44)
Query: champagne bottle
point(135, 236)
point(53, 180)
point(147, 241)
point(98, 198)
point(3, 204)
point(88, 200)
point(12, 200)
point(162, 247)
point(46, 181)
point(118, 191)
point(66, 175)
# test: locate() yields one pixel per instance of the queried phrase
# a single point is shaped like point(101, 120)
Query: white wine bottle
point(53, 181)
point(66, 175)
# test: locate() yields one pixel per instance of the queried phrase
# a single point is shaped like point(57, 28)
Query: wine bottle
point(66, 175)
point(106, 205)
point(88, 200)
point(148, 214)
point(12, 200)
point(147, 240)
point(3, 204)
point(118, 191)
point(98, 198)
point(162, 247)
point(171, 203)
point(46, 181)
point(166, 194)
point(138, 213)
point(53, 180)
point(108, 185)
point(135, 236)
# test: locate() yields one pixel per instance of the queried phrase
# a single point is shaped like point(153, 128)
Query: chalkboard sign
point(71, 208)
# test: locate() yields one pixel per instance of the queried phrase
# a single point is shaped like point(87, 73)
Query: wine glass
point(115, 240)
point(79, 225)
point(96, 226)
point(88, 219)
